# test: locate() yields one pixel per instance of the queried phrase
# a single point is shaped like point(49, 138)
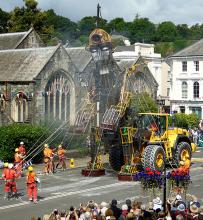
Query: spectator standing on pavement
point(128, 203)
point(116, 211)
point(195, 135)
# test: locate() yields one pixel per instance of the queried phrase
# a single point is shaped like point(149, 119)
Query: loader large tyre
point(154, 158)
point(183, 151)
point(116, 159)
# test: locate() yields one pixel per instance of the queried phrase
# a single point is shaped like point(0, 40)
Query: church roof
point(11, 40)
point(125, 64)
point(195, 49)
point(79, 56)
point(24, 64)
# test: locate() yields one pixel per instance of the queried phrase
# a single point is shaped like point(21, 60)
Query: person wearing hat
point(124, 213)
point(185, 165)
point(32, 180)
point(48, 159)
point(200, 217)
point(21, 149)
point(103, 208)
point(18, 162)
point(10, 183)
point(61, 155)
point(180, 210)
point(194, 210)
point(157, 203)
point(5, 169)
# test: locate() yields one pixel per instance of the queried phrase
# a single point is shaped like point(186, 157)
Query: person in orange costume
point(18, 161)
point(21, 149)
point(61, 154)
point(48, 159)
point(154, 127)
point(4, 170)
point(31, 180)
point(185, 165)
point(10, 183)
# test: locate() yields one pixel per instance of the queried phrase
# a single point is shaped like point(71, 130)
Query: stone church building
point(39, 83)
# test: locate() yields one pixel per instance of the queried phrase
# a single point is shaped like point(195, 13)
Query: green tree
point(88, 24)
point(23, 18)
point(117, 25)
point(63, 28)
point(183, 31)
point(196, 31)
point(141, 30)
point(166, 32)
point(184, 120)
point(143, 103)
point(4, 17)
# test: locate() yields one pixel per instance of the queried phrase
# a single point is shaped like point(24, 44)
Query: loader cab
point(155, 123)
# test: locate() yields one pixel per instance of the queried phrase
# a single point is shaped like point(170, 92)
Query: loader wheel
point(183, 151)
point(116, 159)
point(154, 158)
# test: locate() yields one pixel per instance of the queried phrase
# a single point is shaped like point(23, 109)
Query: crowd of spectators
point(176, 209)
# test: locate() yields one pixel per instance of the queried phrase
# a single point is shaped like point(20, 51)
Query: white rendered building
point(186, 90)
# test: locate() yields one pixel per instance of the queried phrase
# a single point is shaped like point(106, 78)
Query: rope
point(46, 140)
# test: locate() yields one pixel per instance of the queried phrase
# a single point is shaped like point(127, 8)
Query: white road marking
point(83, 182)
point(64, 194)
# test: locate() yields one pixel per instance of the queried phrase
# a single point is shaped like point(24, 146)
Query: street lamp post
point(164, 188)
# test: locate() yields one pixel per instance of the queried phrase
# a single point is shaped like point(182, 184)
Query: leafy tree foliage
point(183, 31)
point(63, 28)
point(184, 120)
point(88, 24)
point(53, 28)
point(23, 18)
point(117, 25)
point(29, 134)
point(4, 17)
point(141, 30)
point(144, 103)
point(166, 32)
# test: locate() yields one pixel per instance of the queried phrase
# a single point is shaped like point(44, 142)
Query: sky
point(178, 11)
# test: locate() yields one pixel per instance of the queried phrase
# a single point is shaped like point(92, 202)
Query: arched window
point(20, 107)
point(57, 103)
point(2, 103)
point(184, 90)
point(196, 90)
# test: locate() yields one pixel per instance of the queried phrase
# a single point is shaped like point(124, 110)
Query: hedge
point(12, 135)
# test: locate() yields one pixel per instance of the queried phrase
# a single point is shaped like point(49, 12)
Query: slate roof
point(195, 49)
point(24, 64)
point(11, 40)
point(125, 48)
point(79, 56)
point(124, 64)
